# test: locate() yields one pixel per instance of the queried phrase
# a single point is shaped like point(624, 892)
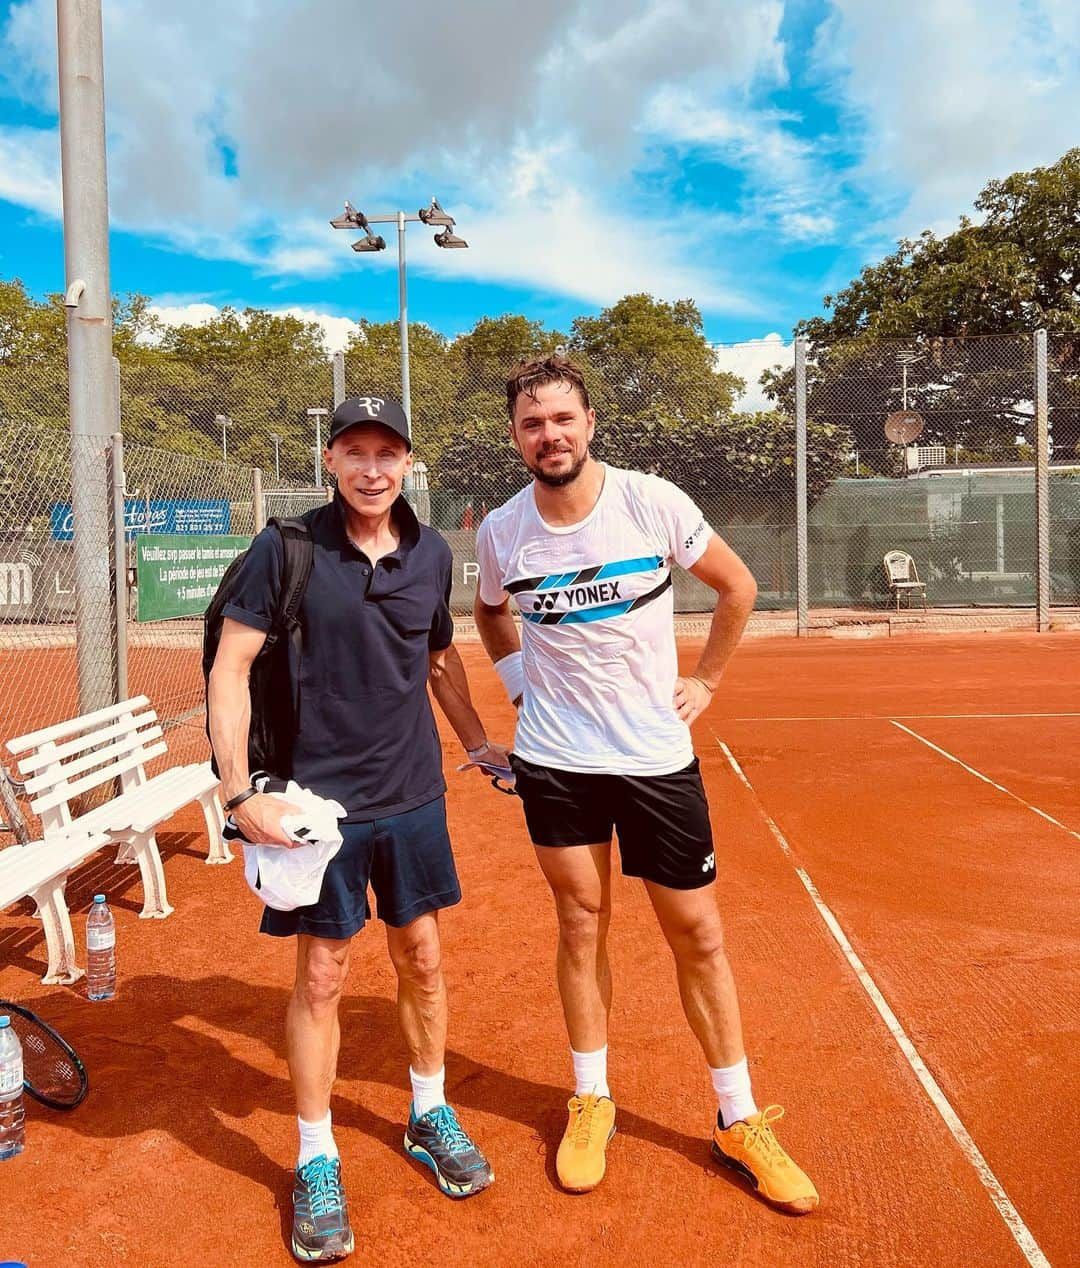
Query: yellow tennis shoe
point(750, 1147)
point(581, 1159)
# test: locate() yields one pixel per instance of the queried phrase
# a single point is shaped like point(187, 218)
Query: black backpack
point(275, 705)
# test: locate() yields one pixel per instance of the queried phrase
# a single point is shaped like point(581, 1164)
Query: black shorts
point(406, 858)
point(662, 821)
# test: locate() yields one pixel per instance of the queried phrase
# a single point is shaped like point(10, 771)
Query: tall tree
point(948, 301)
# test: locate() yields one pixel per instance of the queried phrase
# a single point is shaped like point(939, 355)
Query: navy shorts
point(408, 862)
point(662, 821)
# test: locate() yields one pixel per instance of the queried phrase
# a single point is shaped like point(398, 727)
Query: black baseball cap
point(383, 410)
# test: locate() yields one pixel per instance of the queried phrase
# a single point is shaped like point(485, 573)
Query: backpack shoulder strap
point(299, 556)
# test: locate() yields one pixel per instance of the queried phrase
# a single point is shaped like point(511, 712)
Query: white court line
point(888, 717)
point(986, 779)
point(1013, 1220)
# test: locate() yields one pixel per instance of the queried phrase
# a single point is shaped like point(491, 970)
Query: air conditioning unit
point(932, 456)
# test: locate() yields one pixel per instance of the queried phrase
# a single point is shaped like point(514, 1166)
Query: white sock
point(428, 1090)
point(316, 1138)
point(590, 1072)
point(732, 1087)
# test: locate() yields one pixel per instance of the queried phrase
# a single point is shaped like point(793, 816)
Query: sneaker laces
point(581, 1125)
point(759, 1137)
point(453, 1134)
point(324, 1188)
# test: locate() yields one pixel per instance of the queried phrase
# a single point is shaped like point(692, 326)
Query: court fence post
point(118, 481)
point(1042, 489)
point(258, 502)
point(339, 378)
point(801, 571)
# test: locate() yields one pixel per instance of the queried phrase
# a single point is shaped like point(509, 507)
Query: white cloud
point(789, 183)
point(335, 330)
point(30, 169)
point(950, 95)
point(235, 139)
point(749, 361)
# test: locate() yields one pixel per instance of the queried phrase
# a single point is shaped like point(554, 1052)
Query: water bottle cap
point(5, 1021)
point(99, 898)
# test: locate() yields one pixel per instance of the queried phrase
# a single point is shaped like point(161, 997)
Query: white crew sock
point(316, 1138)
point(428, 1090)
point(732, 1087)
point(590, 1072)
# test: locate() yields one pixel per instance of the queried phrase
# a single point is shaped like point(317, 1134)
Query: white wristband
point(512, 672)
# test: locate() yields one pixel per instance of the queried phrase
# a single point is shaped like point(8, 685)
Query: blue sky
point(750, 154)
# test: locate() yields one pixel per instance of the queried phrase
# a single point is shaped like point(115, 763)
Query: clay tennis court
point(897, 840)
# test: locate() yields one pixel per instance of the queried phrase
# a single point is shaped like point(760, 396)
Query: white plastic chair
point(903, 577)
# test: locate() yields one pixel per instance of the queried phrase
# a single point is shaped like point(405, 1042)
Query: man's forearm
point(497, 629)
point(729, 620)
point(450, 687)
point(229, 703)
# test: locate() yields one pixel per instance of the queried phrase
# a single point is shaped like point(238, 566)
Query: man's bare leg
point(580, 880)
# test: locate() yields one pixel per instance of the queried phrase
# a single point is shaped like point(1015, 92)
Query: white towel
point(286, 878)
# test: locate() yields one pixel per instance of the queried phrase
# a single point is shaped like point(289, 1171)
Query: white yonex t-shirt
point(598, 635)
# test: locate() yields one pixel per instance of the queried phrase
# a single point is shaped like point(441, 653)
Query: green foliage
point(1015, 271)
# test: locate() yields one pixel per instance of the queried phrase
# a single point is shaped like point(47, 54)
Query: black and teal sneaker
point(320, 1231)
point(440, 1142)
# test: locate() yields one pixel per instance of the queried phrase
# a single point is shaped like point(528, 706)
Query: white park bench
point(63, 762)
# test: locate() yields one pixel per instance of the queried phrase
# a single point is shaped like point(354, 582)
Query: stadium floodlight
point(434, 215)
point(350, 218)
point(431, 216)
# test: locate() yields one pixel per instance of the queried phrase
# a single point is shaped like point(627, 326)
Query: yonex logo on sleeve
point(694, 535)
point(709, 863)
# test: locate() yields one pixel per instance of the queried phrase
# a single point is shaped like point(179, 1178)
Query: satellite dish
point(904, 425)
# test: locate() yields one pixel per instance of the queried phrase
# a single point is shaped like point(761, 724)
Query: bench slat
point(131, 744)
point(21, 743)
point(65, 791)
point(25, 868)
point(58, 752)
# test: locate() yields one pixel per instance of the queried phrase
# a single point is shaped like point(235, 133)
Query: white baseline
point(985, 778)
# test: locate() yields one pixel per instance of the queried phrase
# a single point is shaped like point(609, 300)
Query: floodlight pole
point(87, 299)
point(318, 414)
point(434, 216)
point(277, 457)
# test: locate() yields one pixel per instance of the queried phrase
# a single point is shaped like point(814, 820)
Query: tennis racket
point(52, 1071)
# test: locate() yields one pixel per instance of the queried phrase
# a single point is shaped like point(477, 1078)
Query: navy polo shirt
point(366, 734)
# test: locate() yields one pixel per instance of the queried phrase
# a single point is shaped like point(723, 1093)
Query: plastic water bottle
point(100, 951)
point(11, 1091)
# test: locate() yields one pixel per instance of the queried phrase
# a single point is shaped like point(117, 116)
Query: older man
point(603, 745)
point(377, 631)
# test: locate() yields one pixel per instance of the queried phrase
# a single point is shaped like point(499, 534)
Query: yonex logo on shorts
point(709, 863)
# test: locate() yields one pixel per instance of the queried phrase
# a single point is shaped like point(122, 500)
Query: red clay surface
point(960, 901)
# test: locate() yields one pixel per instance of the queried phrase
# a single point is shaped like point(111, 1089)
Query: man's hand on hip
point(692, 698)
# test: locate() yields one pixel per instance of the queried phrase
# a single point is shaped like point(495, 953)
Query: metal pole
point(1042, 488)
point(802, 583)
point(258, 507)
point(339, 378)
point(318, 451)
point(89, 333)
point(277, 458)
point(119, 482)
point(403, 321)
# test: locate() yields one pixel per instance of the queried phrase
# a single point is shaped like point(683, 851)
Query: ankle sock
point(732, 1086)
point(428, 1090)
point(316, 1138)
point(590, 1072)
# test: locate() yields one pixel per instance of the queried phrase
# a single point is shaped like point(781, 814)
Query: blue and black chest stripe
point(591, 594)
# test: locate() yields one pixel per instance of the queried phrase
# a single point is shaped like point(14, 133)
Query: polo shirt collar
point(403, 518)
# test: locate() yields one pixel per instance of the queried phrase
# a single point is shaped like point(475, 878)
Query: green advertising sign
point(177, 573)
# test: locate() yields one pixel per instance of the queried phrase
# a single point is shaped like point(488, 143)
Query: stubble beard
point(560, 481)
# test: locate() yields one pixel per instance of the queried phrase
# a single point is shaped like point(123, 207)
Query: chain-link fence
point(926, 447)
